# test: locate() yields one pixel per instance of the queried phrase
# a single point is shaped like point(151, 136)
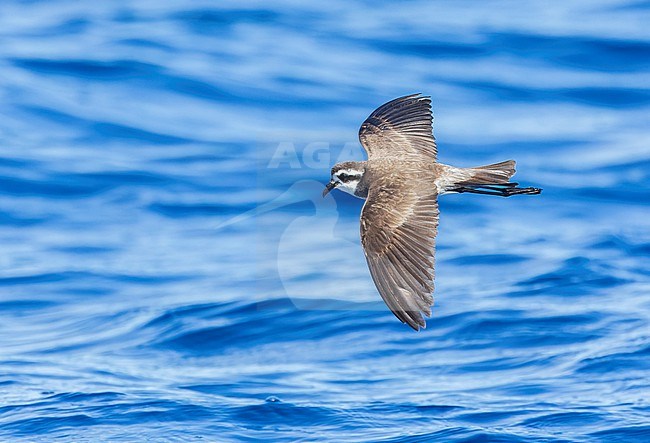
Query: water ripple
point(131, 131)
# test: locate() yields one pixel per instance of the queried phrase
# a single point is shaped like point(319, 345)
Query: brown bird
point(401, 182)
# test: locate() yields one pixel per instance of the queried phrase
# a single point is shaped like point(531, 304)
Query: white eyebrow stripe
point(348, 172)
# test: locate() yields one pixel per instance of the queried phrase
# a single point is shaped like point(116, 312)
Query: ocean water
point(169, 271)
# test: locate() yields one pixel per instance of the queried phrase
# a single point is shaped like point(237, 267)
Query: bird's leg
point(502, 190)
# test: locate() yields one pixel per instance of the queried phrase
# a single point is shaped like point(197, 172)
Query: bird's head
point(346, 176)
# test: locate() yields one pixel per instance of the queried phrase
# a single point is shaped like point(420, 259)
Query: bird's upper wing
point(398, 231)
point(399, 128)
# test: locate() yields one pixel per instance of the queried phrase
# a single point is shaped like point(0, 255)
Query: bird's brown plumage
point(400, 219)
point(401, 127)
point(398, 232)
point(401, 181)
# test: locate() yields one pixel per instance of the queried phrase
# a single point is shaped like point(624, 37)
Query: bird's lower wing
point(398, 231)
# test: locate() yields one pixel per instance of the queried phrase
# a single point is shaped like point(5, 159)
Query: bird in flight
point(401, 182)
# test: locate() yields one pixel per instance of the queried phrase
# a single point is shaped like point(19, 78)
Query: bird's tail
point(497, 173)
point(492, 180)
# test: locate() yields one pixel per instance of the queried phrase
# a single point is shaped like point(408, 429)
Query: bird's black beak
point(331, 185)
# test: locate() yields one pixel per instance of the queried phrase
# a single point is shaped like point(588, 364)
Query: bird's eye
point(343, 177)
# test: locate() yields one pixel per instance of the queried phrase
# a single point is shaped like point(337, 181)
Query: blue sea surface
point(170, 272)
